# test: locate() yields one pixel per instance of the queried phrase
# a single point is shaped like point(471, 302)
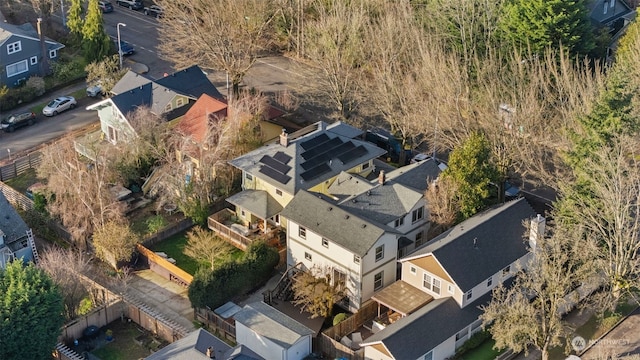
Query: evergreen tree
point(74, 19)
point(31, 310)
point(539, 24)
point(95, 41)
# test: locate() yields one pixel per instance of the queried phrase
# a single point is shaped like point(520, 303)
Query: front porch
point(226, 224)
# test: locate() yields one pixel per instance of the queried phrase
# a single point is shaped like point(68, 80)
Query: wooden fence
point(333, 349)
point(20, 165)
point(226, 328)
point(368, 311)
point(15, 197)
point(163, 267)
point(167, 232)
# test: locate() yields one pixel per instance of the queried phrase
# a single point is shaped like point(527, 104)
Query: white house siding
point(371, 353)
point(259, 344)
point(388, 264)
point(299, 350)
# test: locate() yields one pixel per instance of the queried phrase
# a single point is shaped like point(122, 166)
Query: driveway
point(622, 341)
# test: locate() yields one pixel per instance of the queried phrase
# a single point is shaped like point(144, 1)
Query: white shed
point(272, 334)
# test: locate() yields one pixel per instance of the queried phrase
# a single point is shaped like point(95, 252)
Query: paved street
point(622, 341)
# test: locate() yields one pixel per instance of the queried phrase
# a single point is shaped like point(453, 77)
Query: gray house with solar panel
point(308, 159)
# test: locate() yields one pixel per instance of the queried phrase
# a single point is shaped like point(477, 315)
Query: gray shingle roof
point(383, 203)
point(272, 324)
point(322, 216)
point(10, 222)
point(258, 202)
point(131, 99)
point(191, 82)
point(500, 240)
point(416, 176)
point(27, 31)
point(346, 185)
point(299, 164)
point(130, 80)
point(191, 347)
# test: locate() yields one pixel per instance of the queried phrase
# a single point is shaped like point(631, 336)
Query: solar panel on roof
point(315, 172)
point(352, 154)
point(328, 145)
point(328, 155)
point(274, 174)
point(314, 142)
point(282, 157)
point(277, 165)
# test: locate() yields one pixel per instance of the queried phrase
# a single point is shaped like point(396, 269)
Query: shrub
point(155, 223)
point(85, 306)
point(37, 84)
point(339, 318)
point(474, 341)
point(65, 71)
point(610, 321)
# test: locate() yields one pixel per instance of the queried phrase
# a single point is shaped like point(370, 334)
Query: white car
point(420, 157)
point(59, 105)
point(95, 90)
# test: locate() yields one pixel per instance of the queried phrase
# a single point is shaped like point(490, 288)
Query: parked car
point(154, 10)
point(420, 157)
point(15, 121)
point(59, 105)
point(510, 190)
point(105, 6)
point(95, 90)
point(126, 48)
point(131, 4)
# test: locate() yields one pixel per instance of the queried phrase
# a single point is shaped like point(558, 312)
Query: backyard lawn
point(129, 342)
point(483, 352)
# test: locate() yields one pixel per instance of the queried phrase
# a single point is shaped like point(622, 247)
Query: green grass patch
point(124, 345)
point(174, 247)
point(483, 352)
point(22, 182)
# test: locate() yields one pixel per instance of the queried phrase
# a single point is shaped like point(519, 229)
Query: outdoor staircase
point(32, 243)
point(283, 291)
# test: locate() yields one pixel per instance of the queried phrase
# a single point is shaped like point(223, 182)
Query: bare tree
point(82, 199)
point(443, 206)
point(228, 38)
point(106, 73)
point(316, 292)
point(66, 267)
point(114, 242)
point(204, 245)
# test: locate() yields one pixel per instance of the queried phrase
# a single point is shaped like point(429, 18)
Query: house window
point(325, 242)
point(469, 294)
point(417, 214)
point(17, 68)
point(248, 176)
point(450, 288)
point(462, 334)
point(168, 107)
point(413, 270)
point(489, 281)
point(436, 286)
point(378, 281)
point(113, 134)
point(506, 270)
point(429, 355)
point(606, 7)
point(33, 60)
point(419, 239)
point(179, 102)
point(379, 252)
point(307, 256)
point(278, 192)
point(356, 259)
point(242, 213)
point(53, 54)
point(302, 232)
point(613, 3)
point(14, 47)
point(426, 281)
point(365, 166)
point(399, 222)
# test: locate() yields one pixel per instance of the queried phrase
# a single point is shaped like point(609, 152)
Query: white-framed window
point(17, 68)
point(489, 281)
point(168, 107)
point(278, 192)
point(378, 281)
point(426, 281)
point(325, 242)
point(468, 295)
point(33, 60)
point(380, 252)
point(419, 238)
point(113, 134)
point(606, 7)
point(248, 176)
point(506, 270)
point(462, 334)
point(613, 3)
point(365, 166)
point(429, 355)
point(307, 256)
point(302, 232)
point(450, 289)
point(417, 214)
point(356, 259)
point(399, 222)
point(242, 213)
point(436, 286)
point(413, 270)
point(53, 54)
point(179, 102)
point(14, 47)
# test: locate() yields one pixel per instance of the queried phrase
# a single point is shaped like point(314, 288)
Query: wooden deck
point(222, 221)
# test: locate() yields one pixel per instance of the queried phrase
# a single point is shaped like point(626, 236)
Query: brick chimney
point(536, 231)
point(44, 61)
point(284, 138)
point(382, 177)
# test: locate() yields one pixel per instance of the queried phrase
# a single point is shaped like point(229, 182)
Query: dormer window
point(399, 222)
point(14, 47)
point(417, 214)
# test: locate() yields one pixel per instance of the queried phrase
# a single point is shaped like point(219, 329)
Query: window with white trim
point(378, 281)
point(450, 289)
point(613, 3)
point(468, 295)
point(506, 270)
point(380, 252)
point(429, 355)
point(399, 222)
point(248, 176)
point(278, 192)
point(419, 238)
point(489, 281)
point(356, 259)
point(242, 213)
point(14, 47)
point(307, 256)
point(53, 54)
point(325, 242)
point(302, 232)
point(417, 214)
point(17, 68)
point(606, 7)
point(436, 286)
point(33, 60)
point(462, 334)
point(413, 270)
point(365, 166)
point(179, 102)
point(426, 281)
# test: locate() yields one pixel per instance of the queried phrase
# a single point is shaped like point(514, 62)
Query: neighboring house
point(308, 159)
point(170, 96)
point(613, 14)
point(272, 334)
point(359, 229)
point(198, 345)
point(434, 308)
point(21, 53)
point(16, 239)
